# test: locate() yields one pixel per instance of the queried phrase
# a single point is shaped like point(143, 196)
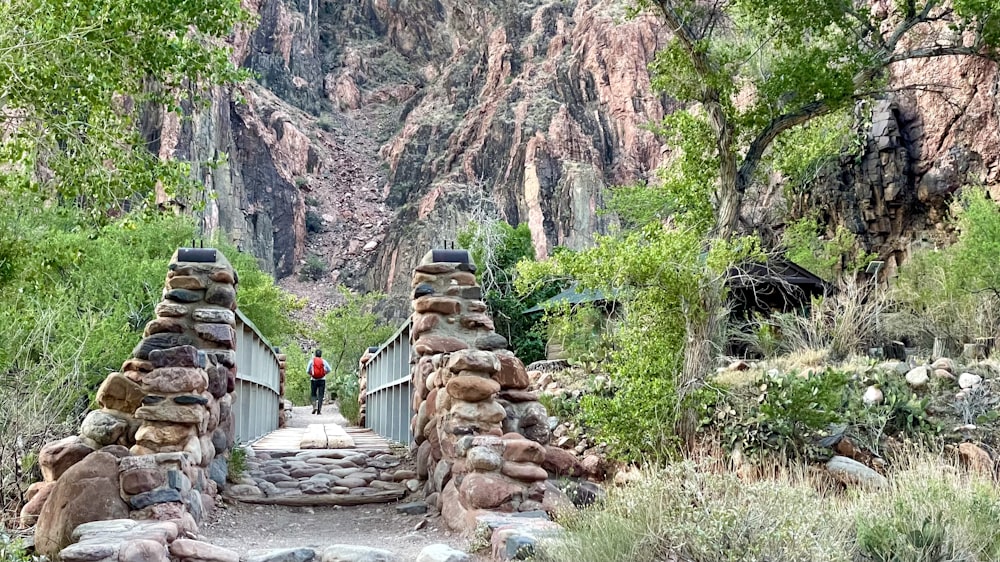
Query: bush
point(496, 248)
point(346, 389)
point(833, 258)
point(683, 514)
point(931, 512)
point(954, 293)
point(845, 323)
point(314, 269)
point(237, 462)
point(314, 222)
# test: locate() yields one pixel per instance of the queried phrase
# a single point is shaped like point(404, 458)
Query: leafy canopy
point(73, 76)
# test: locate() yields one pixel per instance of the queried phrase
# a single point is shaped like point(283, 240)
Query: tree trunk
point(728, 198)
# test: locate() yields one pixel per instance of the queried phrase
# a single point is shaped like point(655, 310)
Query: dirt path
point(247, 528)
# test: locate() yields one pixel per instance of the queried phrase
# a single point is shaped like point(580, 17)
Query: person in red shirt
point(317, 371)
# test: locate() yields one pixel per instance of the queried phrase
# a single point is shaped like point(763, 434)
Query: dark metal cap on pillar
point(197, 255)
point(460, 257)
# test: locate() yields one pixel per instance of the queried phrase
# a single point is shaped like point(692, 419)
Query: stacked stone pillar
point(165, 422)
point(480, 434)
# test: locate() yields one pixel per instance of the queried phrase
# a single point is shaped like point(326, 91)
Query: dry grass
point(932, 511)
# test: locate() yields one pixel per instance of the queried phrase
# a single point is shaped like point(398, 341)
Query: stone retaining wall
point(480, 434)
point(157, 448)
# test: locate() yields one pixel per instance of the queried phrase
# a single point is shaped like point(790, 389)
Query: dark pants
point(317, 390)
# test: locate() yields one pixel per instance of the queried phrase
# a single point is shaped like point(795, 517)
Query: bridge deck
point(291, 439)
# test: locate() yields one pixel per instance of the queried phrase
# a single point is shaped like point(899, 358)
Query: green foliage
point(12, 550)
point(791, 415)
point(954, 293)
point(346, 388)
point(76, 71)
point(580, 332)
point(683, 192)
point(497, 248)
point(836, 257)
point(930, 515)
point(266, 304)
point(314, 222)
point(803, 153)
point(655, 274)
point(237, 462)
point(344, 334)
point(314, 269)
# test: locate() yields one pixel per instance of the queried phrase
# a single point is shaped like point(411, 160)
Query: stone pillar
point(480, 434)
point(167, 416)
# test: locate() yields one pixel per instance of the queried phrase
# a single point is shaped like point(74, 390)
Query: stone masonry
point(157, 449)
point(480, 434)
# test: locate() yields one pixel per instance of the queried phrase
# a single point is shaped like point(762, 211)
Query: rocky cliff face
point(393, 122)
point(939, 133)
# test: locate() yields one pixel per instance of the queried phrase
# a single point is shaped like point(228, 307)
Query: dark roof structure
point(777, 285)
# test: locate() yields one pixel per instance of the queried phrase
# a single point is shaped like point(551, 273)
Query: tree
point(496, 248)
point(760, 68)
point(73, 76)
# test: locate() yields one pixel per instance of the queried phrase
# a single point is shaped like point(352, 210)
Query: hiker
point(317, 371)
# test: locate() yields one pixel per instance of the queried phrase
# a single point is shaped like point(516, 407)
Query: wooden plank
point(322, 499)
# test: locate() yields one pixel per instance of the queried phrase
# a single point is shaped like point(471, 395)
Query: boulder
point(283, 555)
point(945, 364)
point(512, 374)
point(119, 393)
point(37, 495)
point(442, 553)
point(918, 377)
point(471, 388)
point(852, 473)
point(353, 553)
point(969, 380)
point(58, 456)
point(474, 360)
point(104, 427)
point(976, 458)
point(87, 491)
point(488, 490)
point(483, 459)
point(873, 396)
point(561, 462)
point(197, 551)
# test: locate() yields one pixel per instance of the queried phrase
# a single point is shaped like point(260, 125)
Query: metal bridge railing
point(389, 393)
point(258, 381)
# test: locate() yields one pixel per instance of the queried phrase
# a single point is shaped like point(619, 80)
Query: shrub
point(836, 257)
point(314, 269)
point(314, 222)
point(346, 389)
point(845, 323)
point(954, 293)
point(237, 462)
point(930, 512)
point(683, 514)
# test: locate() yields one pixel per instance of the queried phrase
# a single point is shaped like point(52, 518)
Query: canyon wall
point(391, 123)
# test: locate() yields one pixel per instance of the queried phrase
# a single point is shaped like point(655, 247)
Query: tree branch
point(764, 139)
point(931, 52)
point(911, 21)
